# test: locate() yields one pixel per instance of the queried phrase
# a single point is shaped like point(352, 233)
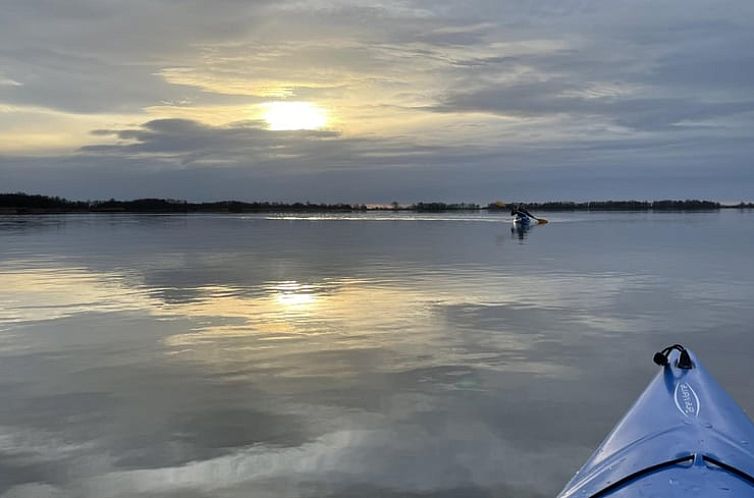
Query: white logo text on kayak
point(686, 400)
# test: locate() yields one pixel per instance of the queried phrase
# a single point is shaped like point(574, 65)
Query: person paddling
point(520, 212)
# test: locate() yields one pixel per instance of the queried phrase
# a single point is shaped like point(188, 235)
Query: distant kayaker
point(520, 210)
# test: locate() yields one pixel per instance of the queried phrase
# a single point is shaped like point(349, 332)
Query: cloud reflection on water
point(341, 338)
point(169, 364)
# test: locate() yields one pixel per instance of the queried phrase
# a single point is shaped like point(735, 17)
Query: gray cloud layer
point(530, 99)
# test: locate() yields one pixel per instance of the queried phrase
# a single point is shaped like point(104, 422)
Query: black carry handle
point(684, 362)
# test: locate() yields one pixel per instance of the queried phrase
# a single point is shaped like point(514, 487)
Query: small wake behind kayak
point(684, 437)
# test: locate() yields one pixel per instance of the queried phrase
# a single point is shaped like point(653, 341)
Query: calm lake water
point(348, 356)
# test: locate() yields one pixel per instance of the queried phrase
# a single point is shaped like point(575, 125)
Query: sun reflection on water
point(272, 322)
point(293, 294)
point(294, 299)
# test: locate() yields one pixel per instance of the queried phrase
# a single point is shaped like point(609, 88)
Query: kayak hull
point(683, 437)
point(524, 222)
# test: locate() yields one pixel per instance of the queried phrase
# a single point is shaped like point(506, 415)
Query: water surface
point(369, 355)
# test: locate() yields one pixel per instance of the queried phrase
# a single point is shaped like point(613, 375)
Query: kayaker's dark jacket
point(521, 212)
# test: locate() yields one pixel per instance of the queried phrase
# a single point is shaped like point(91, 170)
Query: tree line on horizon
point(631, 205)
point(21, 203)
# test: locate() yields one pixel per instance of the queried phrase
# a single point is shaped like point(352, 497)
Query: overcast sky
point(387, 100)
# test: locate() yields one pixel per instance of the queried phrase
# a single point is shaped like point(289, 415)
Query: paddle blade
point(542, 221)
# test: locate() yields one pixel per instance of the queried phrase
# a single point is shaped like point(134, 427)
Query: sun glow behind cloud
point(294, 116)
point(469, 103)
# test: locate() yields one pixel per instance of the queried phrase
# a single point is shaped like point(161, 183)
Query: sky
point(380, 100)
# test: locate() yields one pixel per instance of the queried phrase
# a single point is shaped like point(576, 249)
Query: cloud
point(444, 93)
point(553, 98)
point(8, 82)
point(57, 80)
point(250, 145)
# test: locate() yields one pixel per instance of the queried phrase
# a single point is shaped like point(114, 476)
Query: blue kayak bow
point(684, 437)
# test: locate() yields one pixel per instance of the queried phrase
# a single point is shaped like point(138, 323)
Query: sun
point(294, 116)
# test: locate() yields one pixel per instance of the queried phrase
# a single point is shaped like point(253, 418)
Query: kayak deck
point(684, 436)
point(683, 481)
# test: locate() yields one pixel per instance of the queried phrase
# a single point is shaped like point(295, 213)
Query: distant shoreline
point(22, 203)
